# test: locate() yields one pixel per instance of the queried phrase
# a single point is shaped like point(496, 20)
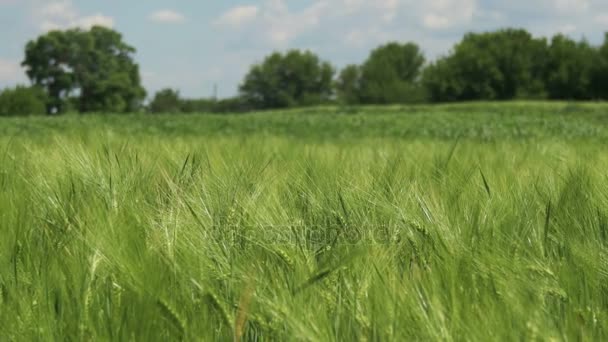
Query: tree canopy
point(95, 66)
point(348, 85)
point(296, 78)
point(165, 101)
point(570, 67)
point(600, 72)
point(390, 74)
point(499, 65)
point(94, 71)
point(21, 100)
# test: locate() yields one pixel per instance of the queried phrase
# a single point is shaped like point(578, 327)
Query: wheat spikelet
point(215, 302)
point(172, 316)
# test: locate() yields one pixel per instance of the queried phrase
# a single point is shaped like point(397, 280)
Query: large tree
point(95, 65)
point(165, 101)
point(501, 65)
point(600, 72)
point(390, 74)
point(570, 67)
point(295, 78)
point(348, 85)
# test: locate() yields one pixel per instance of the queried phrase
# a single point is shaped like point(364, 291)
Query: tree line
point(94, 71)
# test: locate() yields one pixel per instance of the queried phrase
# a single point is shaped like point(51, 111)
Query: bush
point(296, 78)
point(21, 101)
point(165, 101)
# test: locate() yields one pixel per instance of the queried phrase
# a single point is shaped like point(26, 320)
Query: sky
point(193, 45)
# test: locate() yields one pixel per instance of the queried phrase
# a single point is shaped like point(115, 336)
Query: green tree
point(165, 101)
point(442, 81)
point(390, 74)
point(600, 72)
point(348, 85)
point(94, 65)
point(22, 101)
point(500, 65)
point(570, 69)
point(285, 80)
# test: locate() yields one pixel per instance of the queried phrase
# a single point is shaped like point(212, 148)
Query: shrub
point(20, 101)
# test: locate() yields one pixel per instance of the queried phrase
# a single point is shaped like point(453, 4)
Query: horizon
point(191, 47)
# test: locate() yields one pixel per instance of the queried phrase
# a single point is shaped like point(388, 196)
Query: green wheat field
point(472, 222)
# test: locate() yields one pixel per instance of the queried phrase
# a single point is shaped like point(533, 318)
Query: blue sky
point(191, 45)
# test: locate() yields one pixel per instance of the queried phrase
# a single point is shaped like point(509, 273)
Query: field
point(460, 222)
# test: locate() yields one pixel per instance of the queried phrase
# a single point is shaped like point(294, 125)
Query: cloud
point(602, 19)
point(167, 16)
point(569, 6)
point(361, 37)
point(444, 14)
point(567, 29)
point(353, 22)
point(10, 71)
point(238, 16)
point(435, 21)
point(278, 25)
point(94, 20)
point(62, 14)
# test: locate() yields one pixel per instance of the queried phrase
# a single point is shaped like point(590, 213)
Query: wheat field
point(475, 222)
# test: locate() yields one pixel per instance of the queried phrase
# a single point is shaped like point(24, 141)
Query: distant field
point(478, 121)
point(459, 222)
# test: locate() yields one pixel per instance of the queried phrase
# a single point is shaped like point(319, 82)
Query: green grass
point(473, 222)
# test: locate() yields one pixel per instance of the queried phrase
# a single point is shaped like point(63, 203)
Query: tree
point(390, 74)
point(165, 101)
point(95, 64)
point(285, 80)
point(570, 69)
point(22, 101)
point(442, 81)
point(348, 85)
point(499, 65)
point(600, 72)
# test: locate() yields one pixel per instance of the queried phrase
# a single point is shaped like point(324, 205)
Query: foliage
point(165, 101)
point(169, 101)
point(348, 85)
point(570, 69)
point(94, 71)
point(227, 105)
point(500, 65)
point(21, 100)
point(295, 78)
point(600, 72)
point(390, 75)
point(308, 225)
point(231, 105)
point(96, 65)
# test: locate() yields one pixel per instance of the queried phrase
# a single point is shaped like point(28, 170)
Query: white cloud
point(278, 25)
point(94, 20)
point(274, 23)
point(10, 71)
point(567, 29)
point(602, 19)
point(238, 16)
point(361, 37)
point(167, 16)
point(444, 14)
point(435, 21)
point(62, 14)
point(569, 6)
